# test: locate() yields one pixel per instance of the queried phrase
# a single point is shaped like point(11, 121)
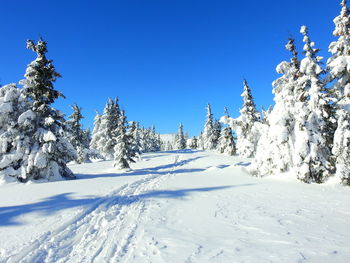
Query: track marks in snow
point(105, 232)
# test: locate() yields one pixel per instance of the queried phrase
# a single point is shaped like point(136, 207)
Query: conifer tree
point(12, 149)
point(208, 135)
point(42, 132)
point(193, 143)
point(181, 141)
point(105, 134)
point(78, 137)
point(275, 148)
point(227, 144)
point(134, 134)
point(339, 75)
point(217, 133)
point(247, 137)
point(123, 153)
point(311, 152)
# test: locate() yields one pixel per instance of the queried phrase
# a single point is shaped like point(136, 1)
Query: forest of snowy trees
point(37, 142)
point(306, 132)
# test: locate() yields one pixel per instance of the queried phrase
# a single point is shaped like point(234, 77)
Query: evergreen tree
point(96, 137)
point(275, 147)
point(12, 149)
point(217, 133)
point(123, 152)
point(78, 137)
point(47, 150)
point(134, 133)
point(227, 144)
point(247, 137)
point(193, 143)
point(105, 134)
point(181, 141)
point(339, 75)
point(311, 152)
point(208, 135)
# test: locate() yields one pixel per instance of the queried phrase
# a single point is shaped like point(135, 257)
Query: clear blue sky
point(165, 60)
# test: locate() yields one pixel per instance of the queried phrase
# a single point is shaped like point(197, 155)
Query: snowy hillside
point(188, 206)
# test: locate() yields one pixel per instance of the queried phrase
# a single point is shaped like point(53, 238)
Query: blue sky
point(165, 60)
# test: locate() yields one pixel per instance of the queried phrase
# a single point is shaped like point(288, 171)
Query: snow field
point(185, 206)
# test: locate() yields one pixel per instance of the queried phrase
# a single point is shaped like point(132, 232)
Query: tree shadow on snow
point(9, 215)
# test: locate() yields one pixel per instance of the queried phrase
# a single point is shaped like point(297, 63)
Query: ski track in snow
point(106, 232)
point(146, 220)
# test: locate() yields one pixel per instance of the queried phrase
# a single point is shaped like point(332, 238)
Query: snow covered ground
point(188, 206)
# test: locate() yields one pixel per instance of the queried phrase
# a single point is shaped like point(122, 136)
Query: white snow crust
point(181, 206)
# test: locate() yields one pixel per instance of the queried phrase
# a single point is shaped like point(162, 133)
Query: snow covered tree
point(208, 135)
point(134, 133)
point(193, 143)
point(12, 150)
point(41, 127)
point(339, 75)
point(123, 153)
point(96, 137)
point(227, 144)
point(105, 134)
point(180, 138)
point(154, 141)
point(247, 137)
point(265, 114)
point(275, 147)
point(78, 137)
point(217, 133)
point(312, 153)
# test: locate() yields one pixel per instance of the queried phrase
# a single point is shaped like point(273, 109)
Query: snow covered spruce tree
point(275, 147)
point(78, 137)
point(41, 127)
point(12, 150)
point(123, 152)
point(105, 131)
point(339, 75)
point(247, 135)
point(180, 139)
point(193, 143)
point(134, 134)
point(217, 133)
point(227, 144)
point(312, 152)
point(208, 135)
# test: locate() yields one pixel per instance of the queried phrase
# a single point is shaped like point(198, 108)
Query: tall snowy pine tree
point(208, 135)
point(41, 127)
point(180, 139)
point(123, 152)
point(247, 136)
point(312, 153)
point(339, 74)
point(275, 147)
point(78, 137)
